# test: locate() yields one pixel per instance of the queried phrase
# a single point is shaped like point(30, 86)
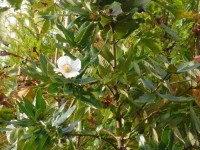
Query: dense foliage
point(95, 74)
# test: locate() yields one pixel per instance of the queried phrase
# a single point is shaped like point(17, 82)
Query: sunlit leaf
point(64, 116)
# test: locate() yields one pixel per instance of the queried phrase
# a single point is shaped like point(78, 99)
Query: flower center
point(67, 68)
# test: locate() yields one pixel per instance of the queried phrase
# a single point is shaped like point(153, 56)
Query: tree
point(128, 78)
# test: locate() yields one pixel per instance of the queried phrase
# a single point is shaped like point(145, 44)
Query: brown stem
point(197, 44)
point(4, 101)
point(4, 53)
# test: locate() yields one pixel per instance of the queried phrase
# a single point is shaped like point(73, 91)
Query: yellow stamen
point(67, 68)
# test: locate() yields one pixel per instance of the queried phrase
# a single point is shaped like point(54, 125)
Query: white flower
point(68, 67)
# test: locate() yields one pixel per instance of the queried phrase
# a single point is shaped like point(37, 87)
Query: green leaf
point(195, 120)
point(29, 107)
point(15, 3)
point(23, 109)
point(178, 135)
point(65, 50)
point(164, 139)
point(146, 98)
point(173, 34)
point(69, 128)
point(69, 35)
point(152, 44)
point(57, 112)
point(176, 99)
point(42, 141)
point(23, 123)
point(105, 53)
point(137, 68)
point(64, 116)
point(125, 26)
point(129, 57)
point(171, 140)
point(85, 34)
point(185, 67)
point(31, 142)
point(40, 102)
point(85, 81)
point(129, 5)
point(105, 20)
point(43, 61)
point(49, 17)
point(74, 9)
point(2, 9)
point(53, 88)
point(60, 38)
point(90, 100)
point(147, 83)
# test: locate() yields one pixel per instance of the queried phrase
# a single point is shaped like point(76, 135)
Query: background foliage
point(138, 87)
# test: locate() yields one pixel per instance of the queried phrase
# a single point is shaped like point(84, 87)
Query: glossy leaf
point(69, 128)
point(63, 117)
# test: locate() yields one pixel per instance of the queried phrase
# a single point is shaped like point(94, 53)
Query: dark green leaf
point(16, 4)
point(29, 107)
point(129, 5)
point(23, 123)
point(91, 101)
point(40, 102)
point(49, 17)
point(60, 38)
point(43, 61)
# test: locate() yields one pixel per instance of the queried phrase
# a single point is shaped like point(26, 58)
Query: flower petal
point(76, 65)
point(56, 70)
point(63, 61)
point(71, 74)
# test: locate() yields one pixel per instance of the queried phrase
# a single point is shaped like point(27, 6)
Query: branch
point(4, 53)
point(4, 101)
point(139, 110)
point(149, 116)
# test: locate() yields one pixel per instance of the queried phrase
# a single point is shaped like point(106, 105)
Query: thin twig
point(110, 133)
point(149, 116)
point(5, 53)
point(139, 110)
